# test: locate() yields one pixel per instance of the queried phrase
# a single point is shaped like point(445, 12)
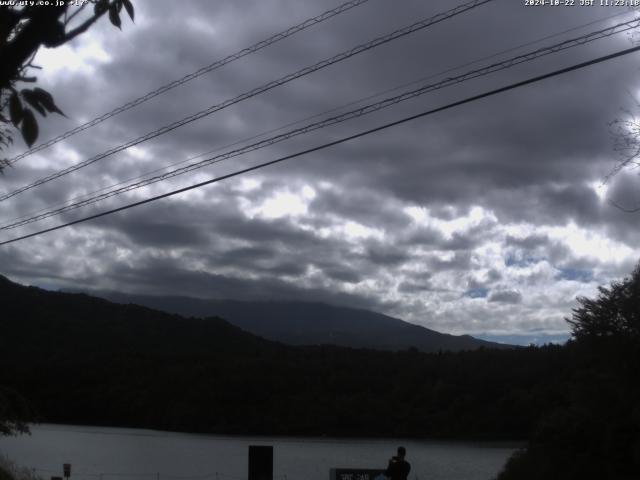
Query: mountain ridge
point(310, 323)
point(84, 360)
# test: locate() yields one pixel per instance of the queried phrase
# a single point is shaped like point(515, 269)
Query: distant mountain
point(307, 323)
point(79, 359)
point(79, 321)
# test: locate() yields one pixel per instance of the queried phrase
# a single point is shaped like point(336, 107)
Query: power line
point(367, 109)
point(337, 119)
point(191, 76)
point(32, 213)
point(266, 87)
point(335, 142)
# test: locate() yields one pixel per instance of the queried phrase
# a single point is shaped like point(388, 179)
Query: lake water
point(98, 453)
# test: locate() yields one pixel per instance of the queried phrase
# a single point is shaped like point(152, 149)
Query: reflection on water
point(98, 453)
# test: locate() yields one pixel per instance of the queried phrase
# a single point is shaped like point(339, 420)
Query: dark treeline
point(595, 432)
point(79, 359)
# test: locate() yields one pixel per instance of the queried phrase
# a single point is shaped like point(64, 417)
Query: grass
point(10, 471)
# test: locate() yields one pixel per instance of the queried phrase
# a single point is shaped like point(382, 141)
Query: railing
point(45, 473)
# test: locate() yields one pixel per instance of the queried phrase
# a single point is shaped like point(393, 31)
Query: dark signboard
point(357, 474)
point(260, 462)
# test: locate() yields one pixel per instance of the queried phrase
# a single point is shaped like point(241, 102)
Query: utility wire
point(335, 142)
point(367, 109)
point(317, 115)
point(191, 76)
point(266, 87)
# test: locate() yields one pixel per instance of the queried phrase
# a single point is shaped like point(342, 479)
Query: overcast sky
point(486, 219)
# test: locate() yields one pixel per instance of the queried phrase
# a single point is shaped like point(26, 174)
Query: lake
point(98, 453)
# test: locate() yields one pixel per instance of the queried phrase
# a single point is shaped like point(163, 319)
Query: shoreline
point(296, 437)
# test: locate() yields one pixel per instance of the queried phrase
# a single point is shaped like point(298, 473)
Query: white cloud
point(501, 194)
point(69, 60)
point(282, 203)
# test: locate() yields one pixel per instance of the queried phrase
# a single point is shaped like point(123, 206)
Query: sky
point(487, 219)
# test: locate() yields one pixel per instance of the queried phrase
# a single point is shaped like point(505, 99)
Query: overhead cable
point(259, 90)
point(358, 112)
point(311, 117)
point(193, 75)
point(333, 143)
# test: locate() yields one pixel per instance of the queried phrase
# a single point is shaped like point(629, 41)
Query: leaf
point(29, 128)
point(129, 8)
point(16, 111)
point(46, 100)
point(114, 16)
point(32, 100)
point(100, 7)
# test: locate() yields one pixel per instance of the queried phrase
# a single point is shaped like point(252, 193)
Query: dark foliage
point(80, 359)
point(23, 30)
point(15, 412)
point(597, 433)
point(5, 475)
point(615, 314)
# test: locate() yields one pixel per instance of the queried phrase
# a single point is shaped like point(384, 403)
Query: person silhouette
point(398, 468)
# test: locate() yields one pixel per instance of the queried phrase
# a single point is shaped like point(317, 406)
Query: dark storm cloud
point(528, 158)
point(426, 237)
point(196, 50)
point(506, 296)
point(577, 202)
point(162, 234)
point(622, 207)
point(159, 276)
point(494, 275)
point(362, 205)
point(340, 273)
point(462, 241)
point(534, 248)
point(273, 248)
point(413, 288)
point(215, 221)
point(624, 194)
point(485, 281)
point(432, 238)
point(530, 242)
point(15, 264)
point(381, 254)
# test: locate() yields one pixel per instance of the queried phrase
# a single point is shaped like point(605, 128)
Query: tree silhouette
point(14, 412)
point(593, 431)
point(614, 313)
point(23, 30)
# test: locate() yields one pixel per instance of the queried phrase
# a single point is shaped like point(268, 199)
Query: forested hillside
point(594, 433)
point(80, 359)
point(308, 323)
